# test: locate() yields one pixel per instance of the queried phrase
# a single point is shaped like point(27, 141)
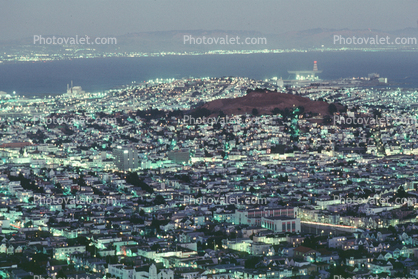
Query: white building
point(123, 272)
point(61, 253)
point(281, 224)
point(126, 158)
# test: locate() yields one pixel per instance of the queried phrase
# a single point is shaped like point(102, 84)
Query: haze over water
point(95, 75)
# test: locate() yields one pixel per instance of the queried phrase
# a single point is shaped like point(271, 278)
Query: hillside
point(265, 102)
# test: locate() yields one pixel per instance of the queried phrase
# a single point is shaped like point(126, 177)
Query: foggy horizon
point(108, 18)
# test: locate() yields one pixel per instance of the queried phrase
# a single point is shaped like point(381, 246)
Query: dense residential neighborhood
point(146, 182)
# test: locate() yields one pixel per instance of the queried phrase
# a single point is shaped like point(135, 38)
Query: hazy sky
point(25, 18)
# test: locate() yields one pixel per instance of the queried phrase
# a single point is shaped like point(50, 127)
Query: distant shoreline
point(99, 75)
point(210, 52)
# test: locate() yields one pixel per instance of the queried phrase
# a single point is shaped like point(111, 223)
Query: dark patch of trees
point(26, 183)
point(332, 108)
point(252, 262)
point(133, 178)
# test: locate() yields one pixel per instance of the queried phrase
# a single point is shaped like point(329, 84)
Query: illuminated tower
point(315, 66)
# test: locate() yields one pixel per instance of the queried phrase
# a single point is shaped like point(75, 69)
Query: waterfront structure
point(305, 75)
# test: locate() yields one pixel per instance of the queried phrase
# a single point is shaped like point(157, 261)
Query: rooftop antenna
point(71, 86)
